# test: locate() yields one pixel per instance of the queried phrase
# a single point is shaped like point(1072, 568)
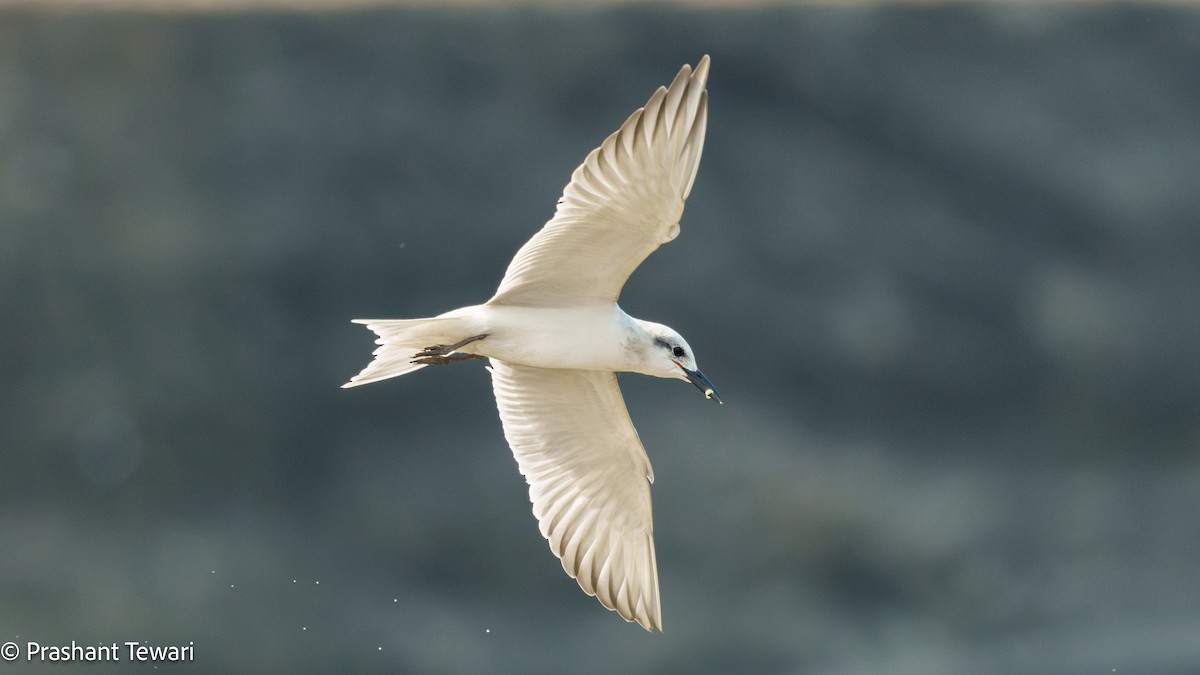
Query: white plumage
point(588, 480)
point(555, 337)
point(622, 203)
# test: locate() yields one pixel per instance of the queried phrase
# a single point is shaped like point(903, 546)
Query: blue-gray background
point(942, 263)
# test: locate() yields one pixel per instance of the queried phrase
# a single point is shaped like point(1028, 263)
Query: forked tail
point(399, 340)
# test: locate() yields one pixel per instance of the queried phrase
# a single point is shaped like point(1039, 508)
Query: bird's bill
point(698, 378)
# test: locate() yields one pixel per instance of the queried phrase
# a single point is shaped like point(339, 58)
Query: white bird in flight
point(556, 337)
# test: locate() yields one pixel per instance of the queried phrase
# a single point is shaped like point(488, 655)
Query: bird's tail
point(399, 340)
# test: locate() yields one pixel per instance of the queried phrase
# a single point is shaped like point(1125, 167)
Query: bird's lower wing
point(622, 203)
point(589, 480)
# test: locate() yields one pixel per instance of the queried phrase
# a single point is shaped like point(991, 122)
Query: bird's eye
point(678, 352)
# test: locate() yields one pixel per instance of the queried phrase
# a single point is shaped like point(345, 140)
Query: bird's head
point(670, 356)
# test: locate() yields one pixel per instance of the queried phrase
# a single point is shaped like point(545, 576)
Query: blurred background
point(942, 262)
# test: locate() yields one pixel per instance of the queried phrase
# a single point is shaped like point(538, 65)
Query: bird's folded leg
point(439, 355)
point(443, 360)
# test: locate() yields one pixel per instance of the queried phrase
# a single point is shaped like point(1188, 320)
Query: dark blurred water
point(942, 262)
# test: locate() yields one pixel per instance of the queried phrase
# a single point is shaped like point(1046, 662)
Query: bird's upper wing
point(622, 203)
point(589, 480)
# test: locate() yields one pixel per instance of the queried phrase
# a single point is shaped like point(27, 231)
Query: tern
point(555, 338)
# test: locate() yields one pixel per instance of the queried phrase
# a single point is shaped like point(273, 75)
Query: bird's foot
point(440, 355)
point(443, 360)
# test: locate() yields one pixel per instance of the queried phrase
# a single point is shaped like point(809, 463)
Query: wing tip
point(700, 72)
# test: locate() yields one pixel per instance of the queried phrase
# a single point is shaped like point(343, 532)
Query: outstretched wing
point(589, 480)
point(623, 202)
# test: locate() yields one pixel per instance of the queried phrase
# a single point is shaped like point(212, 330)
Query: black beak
point(697, 378)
